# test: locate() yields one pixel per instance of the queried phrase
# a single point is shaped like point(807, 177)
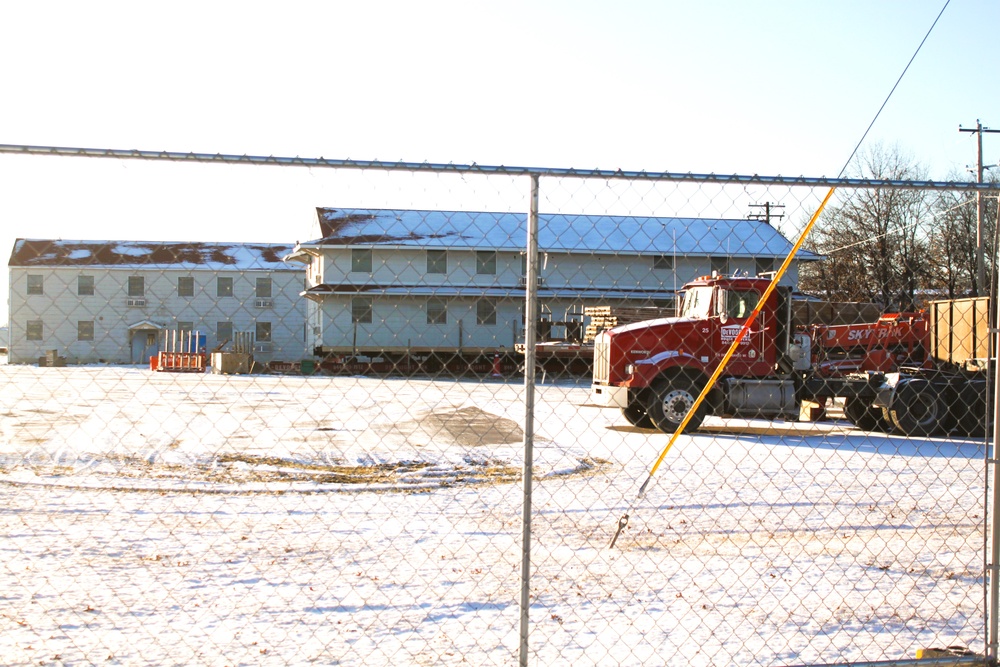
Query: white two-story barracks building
point(408, 281)
point(110, 301)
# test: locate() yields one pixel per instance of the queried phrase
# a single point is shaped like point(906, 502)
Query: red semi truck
point(654, 370)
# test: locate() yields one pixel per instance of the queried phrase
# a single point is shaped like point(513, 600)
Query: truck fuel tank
point(762, 398)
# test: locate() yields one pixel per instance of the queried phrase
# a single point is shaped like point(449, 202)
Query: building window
point(263, 288)
point(720, 265)
point(224, 287)
point(361, 310)
point(85, 285)
point(486, 262)
point(33, 331)
point(263, 332)
point(663, 263)
point(361, 261)
point(185, 326)
point(136, 286)
point(437, 312)
point(486, 312)
point(223, 332)
point(764, 264)
point(437, 261)
point(35, 284)
point(185, 286)
point(85, 330)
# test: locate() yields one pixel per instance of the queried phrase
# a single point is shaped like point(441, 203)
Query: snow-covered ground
point(153, 518)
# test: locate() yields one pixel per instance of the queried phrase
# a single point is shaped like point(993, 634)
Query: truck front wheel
point(670, 401)
point(918, 410)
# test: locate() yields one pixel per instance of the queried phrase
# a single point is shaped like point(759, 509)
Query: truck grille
point(602, 362)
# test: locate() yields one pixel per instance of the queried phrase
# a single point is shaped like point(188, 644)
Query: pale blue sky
point(761, 87)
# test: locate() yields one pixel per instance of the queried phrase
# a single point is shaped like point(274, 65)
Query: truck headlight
point(630, 369)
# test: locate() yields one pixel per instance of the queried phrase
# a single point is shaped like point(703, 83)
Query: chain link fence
point(346, 485)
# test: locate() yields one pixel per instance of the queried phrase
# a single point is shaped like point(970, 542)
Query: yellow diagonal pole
point(725, 359)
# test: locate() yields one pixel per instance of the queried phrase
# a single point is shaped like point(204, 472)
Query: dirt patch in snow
point(469, 427)
point(243, 473)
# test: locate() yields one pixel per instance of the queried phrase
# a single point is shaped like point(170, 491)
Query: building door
point(145, 344)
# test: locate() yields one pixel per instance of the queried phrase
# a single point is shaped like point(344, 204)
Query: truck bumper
point(609, 397)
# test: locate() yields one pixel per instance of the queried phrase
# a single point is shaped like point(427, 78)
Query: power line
point(767, 214)
point(879, 112)
point(904, 228)
point(980, 234)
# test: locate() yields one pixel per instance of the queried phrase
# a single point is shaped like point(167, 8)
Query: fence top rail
point(615, 174)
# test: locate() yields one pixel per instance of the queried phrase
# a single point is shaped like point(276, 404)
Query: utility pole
point(980, 249)
point(766, 215)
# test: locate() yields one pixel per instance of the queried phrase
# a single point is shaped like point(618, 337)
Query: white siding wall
point(628, 271)
point(408, 266)
point(60, 308)
point(400, 323)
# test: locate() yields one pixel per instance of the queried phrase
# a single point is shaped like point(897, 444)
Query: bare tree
point(953, 243)
point(875, 243)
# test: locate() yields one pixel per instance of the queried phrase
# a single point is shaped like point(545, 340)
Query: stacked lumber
point(608, 317)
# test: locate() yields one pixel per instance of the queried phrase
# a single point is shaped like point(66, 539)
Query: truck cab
point(654, 370)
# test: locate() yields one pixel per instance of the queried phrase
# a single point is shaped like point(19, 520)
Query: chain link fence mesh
point(346, 486)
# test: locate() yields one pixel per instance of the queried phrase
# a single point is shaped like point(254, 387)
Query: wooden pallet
point(603, 318)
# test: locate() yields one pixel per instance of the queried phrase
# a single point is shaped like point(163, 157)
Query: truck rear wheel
point(975, 425)
point(973, 416)
point(637, 416)
point(864, 415)
point(670, 402)
point(917, 409)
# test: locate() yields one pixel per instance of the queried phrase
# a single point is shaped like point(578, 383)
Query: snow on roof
point(150, 254)
point(556, 232)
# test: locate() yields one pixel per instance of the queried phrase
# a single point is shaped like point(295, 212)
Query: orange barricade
point(180, 362)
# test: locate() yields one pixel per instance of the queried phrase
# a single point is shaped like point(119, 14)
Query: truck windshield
point(697, 301)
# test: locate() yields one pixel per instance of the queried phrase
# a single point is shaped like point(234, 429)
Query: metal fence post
point(530, 307)
point(993, 466)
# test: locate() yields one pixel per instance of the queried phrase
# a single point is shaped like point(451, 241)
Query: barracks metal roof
point(592, 234)
point(151, 255)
